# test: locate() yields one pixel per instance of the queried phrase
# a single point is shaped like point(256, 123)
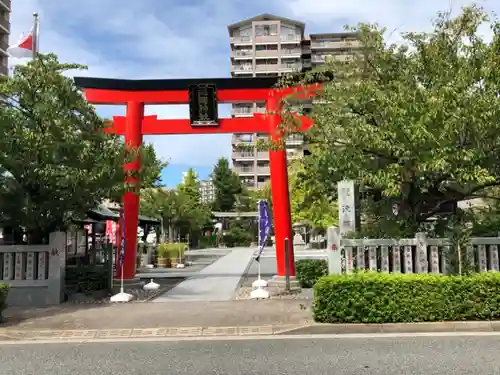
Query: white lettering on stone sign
point(347, 206)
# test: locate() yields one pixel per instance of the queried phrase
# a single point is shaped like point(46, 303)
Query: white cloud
point(181, 38)
point(394, 14)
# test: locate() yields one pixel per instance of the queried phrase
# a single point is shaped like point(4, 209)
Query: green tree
point(306, 205)
point(227, 186)
point(161, 204)
point(416, 124)
point(180, 209)
point(56, 162)
point(150, 174)
point(191, 186)
point(193, 215)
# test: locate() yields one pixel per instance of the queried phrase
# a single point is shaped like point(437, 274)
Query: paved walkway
point(216, 282)
point(156, 315)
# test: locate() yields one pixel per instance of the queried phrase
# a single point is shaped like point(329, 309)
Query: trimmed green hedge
point(4, 291)
point(370, 297)
point(308, 271)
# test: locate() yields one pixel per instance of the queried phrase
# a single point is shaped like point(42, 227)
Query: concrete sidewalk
point(216, 282)
point(146, 315)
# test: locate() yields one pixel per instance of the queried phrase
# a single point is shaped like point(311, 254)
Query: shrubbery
point(4, 291)
point(370, 297)
point(308, 271)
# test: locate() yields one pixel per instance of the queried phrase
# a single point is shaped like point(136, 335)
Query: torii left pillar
point(133, 141)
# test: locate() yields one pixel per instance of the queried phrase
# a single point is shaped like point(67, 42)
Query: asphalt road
point(353, 356)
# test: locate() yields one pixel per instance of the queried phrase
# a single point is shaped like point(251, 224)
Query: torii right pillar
point(280, 193)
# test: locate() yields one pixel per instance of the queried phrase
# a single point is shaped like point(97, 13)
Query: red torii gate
point(136, 93)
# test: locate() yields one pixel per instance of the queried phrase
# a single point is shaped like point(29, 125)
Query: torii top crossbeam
point(106, 91)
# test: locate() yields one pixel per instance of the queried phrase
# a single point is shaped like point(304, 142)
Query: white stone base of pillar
point(122, 297)
point(259, 293)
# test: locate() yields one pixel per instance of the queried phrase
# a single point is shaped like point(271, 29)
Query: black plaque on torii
point(203, 109)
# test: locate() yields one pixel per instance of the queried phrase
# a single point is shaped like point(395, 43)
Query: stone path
point(217, 282)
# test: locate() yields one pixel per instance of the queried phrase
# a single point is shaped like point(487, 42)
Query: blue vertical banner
point(122, 242)
point(265, 225)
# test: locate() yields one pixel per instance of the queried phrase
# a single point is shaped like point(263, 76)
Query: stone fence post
point(57, 266)
point(334, 251)
point(422, 265)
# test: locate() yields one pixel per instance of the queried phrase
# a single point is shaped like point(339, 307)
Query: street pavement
point(292, 356)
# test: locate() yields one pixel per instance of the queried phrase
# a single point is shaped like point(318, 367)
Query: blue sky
point(189, 39)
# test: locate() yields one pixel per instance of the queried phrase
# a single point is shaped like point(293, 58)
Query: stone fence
point(34, 273)
point(408, 255)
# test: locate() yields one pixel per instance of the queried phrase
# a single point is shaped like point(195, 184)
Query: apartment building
point(4, 36)
point(269, 45)
point(207, 191)
point(206, 188)
point(333, 45)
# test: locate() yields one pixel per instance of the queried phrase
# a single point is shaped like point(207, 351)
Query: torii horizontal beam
point(151, 125)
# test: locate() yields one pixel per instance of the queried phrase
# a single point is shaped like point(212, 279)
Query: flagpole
point(122, 296)
point(259, 284)
point(258, 239)
point(35, 35)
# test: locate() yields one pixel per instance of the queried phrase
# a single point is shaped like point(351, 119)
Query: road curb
point(137, 333)
point(8, 334)
point(427, 327)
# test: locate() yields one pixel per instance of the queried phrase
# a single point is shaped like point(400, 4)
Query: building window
point(266, 47)
point(266, 30)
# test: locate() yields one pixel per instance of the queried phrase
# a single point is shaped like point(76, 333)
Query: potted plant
point(163, 255)
point(178, 250)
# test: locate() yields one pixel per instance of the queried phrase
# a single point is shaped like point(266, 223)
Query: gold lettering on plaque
point(203, 103)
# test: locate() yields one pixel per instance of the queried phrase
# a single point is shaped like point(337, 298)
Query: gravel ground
point(140, 295)
point(245, 289)
point(243, 293)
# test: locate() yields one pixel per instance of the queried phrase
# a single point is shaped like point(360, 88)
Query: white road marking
point(259, 337)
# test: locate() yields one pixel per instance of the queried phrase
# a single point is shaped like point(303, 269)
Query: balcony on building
point(242, 110)
point(260, 109)
point(293, 52)
point(242, 139)
point(334, 41)
point(242, 54)
point(266, 32)
point(291, 67)
point(293, 154)
point(261, 184)
point(266, 51)
point(248, 182)
point(4, 45)
point(263, 168)
point(243, 154)
point(241, 68)
point(294, 140)
point(267, 65)
point(244, 40)
point(5, 5)
point(4, 21)
point(267, 39)
point(262, 155)
point(244, 169)
point(321, 58)
point(261, 137)
point(291, 39)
